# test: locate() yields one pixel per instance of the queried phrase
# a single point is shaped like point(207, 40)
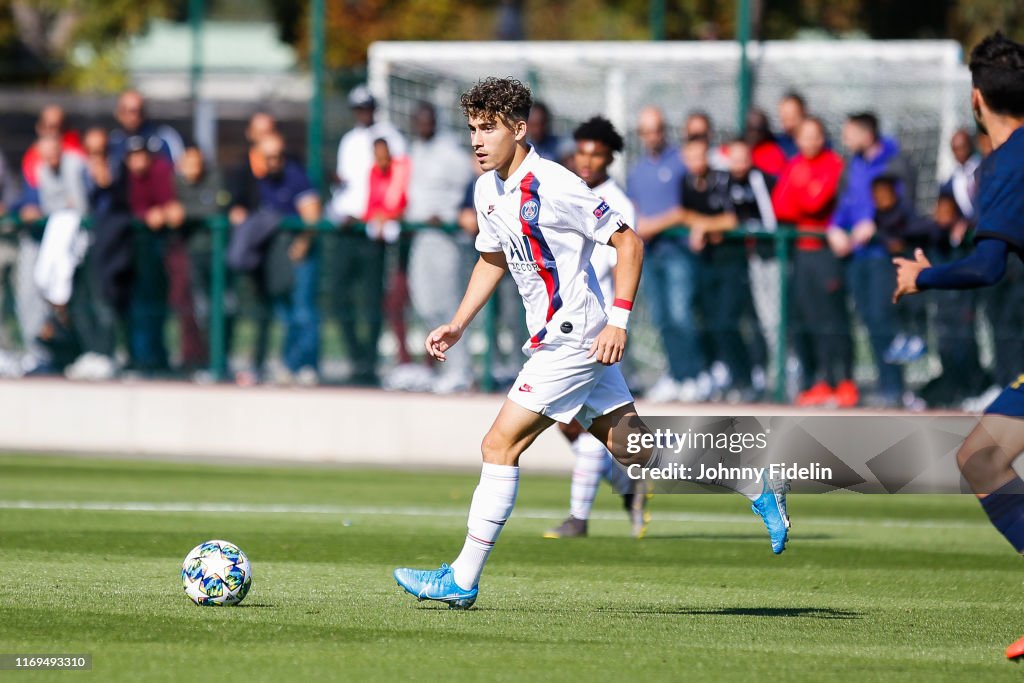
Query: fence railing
point(219, 227)
point(781, 238)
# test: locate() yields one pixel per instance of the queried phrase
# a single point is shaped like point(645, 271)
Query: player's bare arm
point(310, 210)
point(487, 273)
point(610, 344)
point(702, 225)
point(650, 227)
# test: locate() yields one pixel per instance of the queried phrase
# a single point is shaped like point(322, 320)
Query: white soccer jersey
point(547, 221)
point(604, 256)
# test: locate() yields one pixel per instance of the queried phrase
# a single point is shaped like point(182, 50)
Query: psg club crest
point(530, 210)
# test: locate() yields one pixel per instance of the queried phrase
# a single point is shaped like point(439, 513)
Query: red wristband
point(623, 303)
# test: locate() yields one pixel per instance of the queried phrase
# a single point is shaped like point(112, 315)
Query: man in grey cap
point(355, 155)
point(359, 258)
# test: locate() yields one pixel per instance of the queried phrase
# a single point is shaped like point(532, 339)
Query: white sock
point(586, 474)
point(493, 500)
point(616, 475)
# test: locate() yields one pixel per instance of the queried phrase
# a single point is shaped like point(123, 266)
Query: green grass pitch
point(871, 587)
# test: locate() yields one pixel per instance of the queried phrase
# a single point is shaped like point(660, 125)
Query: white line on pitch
point(402, 511)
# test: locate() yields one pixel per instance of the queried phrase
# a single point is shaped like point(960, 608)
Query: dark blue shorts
point(1010, 402)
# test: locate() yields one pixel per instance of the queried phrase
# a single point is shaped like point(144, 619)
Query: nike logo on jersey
point(526, 388)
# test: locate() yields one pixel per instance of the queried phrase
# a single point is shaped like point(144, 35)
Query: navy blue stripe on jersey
point(542, 254)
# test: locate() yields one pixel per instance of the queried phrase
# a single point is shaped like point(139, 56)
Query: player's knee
point(979, 463)
point(621, 435)
point(497, 450)
point(570, 431)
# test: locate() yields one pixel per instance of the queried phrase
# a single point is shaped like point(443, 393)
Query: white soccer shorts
point(562, 383)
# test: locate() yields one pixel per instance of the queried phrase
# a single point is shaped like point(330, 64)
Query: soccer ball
point(216, 573)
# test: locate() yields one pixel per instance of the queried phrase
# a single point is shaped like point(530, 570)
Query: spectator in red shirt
point(161, 262)
point(151, 195)
point(388, 197)
point(52, 121)
point(767, 156)
point(389, 182)
point(806, 195)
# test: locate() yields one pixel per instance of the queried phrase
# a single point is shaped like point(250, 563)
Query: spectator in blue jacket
point(853, 236)
point(130, 113)
point(285, 189)
point(670, 268)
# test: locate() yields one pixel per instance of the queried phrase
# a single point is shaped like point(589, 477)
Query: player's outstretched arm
point(610, 344)
point(487, 273)
point(983, 267)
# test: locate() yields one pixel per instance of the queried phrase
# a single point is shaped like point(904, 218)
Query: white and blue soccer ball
point(216, 573)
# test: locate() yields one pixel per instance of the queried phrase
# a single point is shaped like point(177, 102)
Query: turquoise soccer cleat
point(436, 584)
point(771, 507)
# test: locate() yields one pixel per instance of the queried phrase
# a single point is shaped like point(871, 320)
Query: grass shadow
point(799, 612)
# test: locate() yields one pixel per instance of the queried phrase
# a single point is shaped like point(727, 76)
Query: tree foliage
point(81, 43)
point(353, 24)
point(73, 42)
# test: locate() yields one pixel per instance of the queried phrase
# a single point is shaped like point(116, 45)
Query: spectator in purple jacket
point(853, 236)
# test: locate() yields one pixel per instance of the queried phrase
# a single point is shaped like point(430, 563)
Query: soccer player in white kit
point(597, 143)
point(540, 222)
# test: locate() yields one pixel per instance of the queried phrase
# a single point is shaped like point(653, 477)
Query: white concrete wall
point(311, 425)
point(338, 425)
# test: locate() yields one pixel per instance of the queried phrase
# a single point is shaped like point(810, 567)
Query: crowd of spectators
point(107, 236)
point(714, 297)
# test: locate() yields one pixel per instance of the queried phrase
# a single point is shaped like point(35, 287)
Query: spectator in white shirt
point(437, 263)
point(359, 258)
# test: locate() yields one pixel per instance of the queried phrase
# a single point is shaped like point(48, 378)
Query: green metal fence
point(781, 238)
point(220, 228)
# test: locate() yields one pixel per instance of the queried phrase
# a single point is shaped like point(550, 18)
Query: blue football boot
point(771, 507)
point(436, 584)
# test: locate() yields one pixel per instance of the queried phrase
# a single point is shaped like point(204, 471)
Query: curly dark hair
point(506, 99)
point(600, 129)
point(997, 70)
